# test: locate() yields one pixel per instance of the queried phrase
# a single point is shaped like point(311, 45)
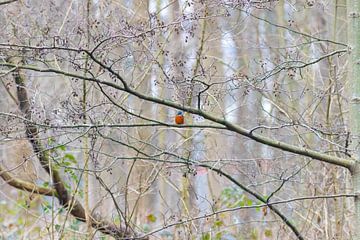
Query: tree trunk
point(353, 7)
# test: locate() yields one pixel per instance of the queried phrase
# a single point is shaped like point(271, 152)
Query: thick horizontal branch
point(25, 185)
point(348, 163)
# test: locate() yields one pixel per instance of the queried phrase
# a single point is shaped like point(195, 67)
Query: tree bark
point(353, 12)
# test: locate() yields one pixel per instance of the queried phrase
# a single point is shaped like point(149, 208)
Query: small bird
point(179, 118)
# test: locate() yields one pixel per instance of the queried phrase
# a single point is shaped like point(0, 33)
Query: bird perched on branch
point(179, 118)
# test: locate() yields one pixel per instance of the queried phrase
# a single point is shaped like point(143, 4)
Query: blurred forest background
point(88, 144)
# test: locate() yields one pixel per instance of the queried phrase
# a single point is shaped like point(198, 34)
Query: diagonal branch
point(343, 162)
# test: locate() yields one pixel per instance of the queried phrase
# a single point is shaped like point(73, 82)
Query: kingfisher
point(179, 118)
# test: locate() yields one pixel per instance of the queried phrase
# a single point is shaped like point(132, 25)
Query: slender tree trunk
point(86, 137)
point(354, 81)
point(339, 34)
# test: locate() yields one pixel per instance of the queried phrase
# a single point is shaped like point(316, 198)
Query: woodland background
point(89, 91)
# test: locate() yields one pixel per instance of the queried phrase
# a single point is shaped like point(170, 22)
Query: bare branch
point(205, 216)
point(348, 163)
point(7, 2)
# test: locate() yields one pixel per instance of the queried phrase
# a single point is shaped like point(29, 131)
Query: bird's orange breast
point(179, 119)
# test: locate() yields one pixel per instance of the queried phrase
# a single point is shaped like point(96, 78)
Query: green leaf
point(218, 223)
point(51, 140)
point(218, 236)
point(117, 220)
point(47, 207)
point(20, 221)
point(151, 218)
point(254, 234)
point(70, 157)
point(67, 186)
point(67, 164)
point(61, 147)
point(81, 193)
point(57, 227)
point(268, 233)
point(206, 236)
point(61, 210)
